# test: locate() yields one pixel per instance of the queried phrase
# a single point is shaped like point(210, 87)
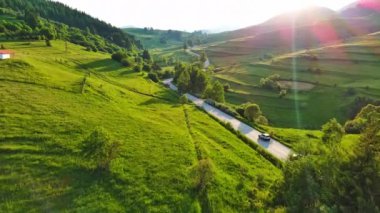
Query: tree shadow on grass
point(152, 101)
point(169, 95)
point(62, 181)
point(52, 182)
point(126, 72)
point(104, 65)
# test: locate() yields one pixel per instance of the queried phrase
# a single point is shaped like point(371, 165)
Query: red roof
point(5, 52)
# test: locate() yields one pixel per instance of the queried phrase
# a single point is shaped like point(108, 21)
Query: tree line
point(59, 12)
point(30, 26)
point(191, 78)
point(331, 177)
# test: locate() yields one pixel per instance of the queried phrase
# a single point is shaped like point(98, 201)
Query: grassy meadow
point(46, 112)
point(348, 70)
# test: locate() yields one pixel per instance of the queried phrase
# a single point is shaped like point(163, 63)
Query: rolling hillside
point(351, 65)
point(344, 68)
point(153, 38)
point(48, 110)
point(361, 8)
point(87, 123)
point(357, 19)
point(161, 43)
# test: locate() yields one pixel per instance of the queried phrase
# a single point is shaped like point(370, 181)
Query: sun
point(292, 5)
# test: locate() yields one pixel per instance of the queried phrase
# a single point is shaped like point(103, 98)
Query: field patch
point(296, 85)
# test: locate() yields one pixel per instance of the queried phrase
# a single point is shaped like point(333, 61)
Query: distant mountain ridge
point(288, 20)
point(361, 8)
point(311, 26)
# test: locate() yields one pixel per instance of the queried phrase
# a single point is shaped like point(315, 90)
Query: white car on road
point(264, 137)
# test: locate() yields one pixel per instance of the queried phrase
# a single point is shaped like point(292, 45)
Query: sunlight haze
point(195, 15)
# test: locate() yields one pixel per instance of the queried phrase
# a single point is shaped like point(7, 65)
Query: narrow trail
point(202, 195)
point(191, 133)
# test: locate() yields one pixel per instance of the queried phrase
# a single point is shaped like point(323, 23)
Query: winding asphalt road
point(274, 147)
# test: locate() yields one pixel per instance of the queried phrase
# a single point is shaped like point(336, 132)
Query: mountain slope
point(153, 39)
point(45, 117)
point(361, 8)
point(289, 20)
point(308, 27)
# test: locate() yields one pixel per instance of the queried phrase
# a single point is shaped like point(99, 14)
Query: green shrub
point(227, 87)
point(153, 76)
point(166, 74)
point(127, 62)
point(100, 149)
point(156, 66)
point(332, 132)
point(351, 91)
point(355, 126)
point(137, 68)
point(48, 43)
point(183, 99)
point(261, 120)
point(118, 56)
point(271, 82)
point(147, 67)
point(283, 93)
point(252, 112)
point(215, 91)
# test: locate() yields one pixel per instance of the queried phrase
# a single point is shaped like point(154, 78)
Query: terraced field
point(346, 70)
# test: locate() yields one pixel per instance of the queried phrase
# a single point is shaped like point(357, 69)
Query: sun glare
point(288, 6)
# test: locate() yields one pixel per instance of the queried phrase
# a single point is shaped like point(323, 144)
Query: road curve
point(207, 62)
point(274, 147)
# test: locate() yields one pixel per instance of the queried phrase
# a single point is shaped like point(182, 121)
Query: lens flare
point(294, 76)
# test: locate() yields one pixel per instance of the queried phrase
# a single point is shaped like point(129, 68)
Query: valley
point(281, 116)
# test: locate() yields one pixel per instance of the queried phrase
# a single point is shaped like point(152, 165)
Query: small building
point(5, 54)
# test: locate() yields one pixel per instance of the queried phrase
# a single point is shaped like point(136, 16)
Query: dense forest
point(29, 26)
point(60, 13)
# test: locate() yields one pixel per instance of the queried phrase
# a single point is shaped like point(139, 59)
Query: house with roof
point(5, 54)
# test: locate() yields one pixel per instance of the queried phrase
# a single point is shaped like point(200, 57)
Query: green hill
point(159, 39)
point(47, 110)
point(169, 44)
point(58, 12)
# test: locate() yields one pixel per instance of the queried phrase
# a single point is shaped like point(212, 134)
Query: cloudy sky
point(194, 14)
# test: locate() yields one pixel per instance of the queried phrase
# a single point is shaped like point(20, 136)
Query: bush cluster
point(271, 82)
